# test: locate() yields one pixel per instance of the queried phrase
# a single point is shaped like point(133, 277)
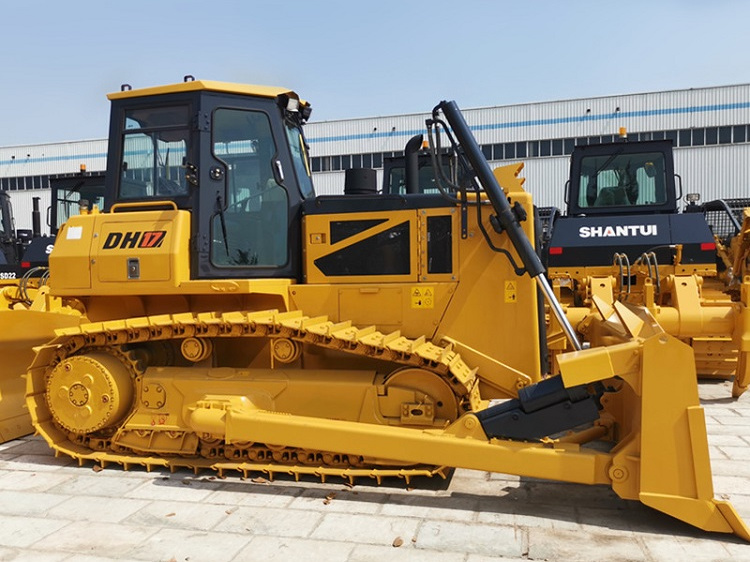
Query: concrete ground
point(52, 510)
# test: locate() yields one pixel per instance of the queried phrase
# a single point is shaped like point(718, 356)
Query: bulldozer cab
point(71, 193)
point(236, 160)
point(622, 198)
point(395, 173)
point(622, 179)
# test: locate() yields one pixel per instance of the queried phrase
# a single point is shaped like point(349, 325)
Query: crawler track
point(118, 337)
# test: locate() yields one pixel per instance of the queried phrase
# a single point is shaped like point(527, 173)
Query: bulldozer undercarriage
point(143, 392)
point(96, 399)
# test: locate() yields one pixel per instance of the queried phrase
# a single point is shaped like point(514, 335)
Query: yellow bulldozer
point(221, 316)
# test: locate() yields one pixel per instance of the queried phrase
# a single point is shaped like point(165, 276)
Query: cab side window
point(155, 148)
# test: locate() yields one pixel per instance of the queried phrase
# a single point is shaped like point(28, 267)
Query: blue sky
point(356, 59)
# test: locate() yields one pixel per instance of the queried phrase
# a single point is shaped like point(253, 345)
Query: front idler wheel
point(88, 393)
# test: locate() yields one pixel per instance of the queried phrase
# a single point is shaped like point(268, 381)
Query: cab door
point(248, 223)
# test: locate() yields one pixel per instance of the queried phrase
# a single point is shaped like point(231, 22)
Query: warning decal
point(422, 297)
point(510, 291)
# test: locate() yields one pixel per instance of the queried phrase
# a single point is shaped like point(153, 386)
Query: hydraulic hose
point(505, 215)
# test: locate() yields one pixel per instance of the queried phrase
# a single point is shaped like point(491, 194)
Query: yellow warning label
point(510, 291)
point(422, 297)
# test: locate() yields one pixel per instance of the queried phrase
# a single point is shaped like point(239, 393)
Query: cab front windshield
point(155, 149)
point(622, 179)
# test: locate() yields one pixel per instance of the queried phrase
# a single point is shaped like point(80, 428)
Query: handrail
point(140, 205)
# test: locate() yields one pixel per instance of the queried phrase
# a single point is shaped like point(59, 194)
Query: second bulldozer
point(623, 237)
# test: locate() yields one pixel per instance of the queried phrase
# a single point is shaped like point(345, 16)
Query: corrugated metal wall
point(23, 205)
point(332, 183)
point(677, 109)
point(714, 171)
point(357, 136)
point(58, 158)
point(545, 180)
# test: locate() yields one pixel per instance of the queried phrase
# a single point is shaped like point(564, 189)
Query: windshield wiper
point(220, 209)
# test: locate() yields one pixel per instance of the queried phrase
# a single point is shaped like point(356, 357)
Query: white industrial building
point(710, 128)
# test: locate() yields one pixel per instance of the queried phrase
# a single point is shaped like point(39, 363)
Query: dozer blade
point(20, 331)
point(663, 459)
point(649, 410)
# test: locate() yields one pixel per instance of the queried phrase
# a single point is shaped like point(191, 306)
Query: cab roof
point(207, 85)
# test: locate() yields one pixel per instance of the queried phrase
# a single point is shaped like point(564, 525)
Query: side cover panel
point(122, 253)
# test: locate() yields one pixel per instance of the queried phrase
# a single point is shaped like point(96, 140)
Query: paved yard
point(52, 510)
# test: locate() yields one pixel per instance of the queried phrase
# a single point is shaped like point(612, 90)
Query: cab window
point(300, 159)
point(250, 226)
point(622, 179)
point(155, 148)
